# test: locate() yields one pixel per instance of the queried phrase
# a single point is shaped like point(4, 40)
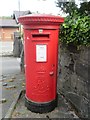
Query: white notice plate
point(41, 53)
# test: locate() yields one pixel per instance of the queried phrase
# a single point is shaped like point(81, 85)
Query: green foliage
point(84, 8)
point(70, 6)
point(76, 30)
point(76, 27)
point(67, 7)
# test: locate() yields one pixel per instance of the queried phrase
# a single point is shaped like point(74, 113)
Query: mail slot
point(37, 36)
point(40, 36)
point(41, 61)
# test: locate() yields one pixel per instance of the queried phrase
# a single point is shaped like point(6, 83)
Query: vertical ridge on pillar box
point(41, 59)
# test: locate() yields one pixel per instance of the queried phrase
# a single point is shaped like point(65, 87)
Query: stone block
point(84, 107)
point(79, 102)
point(60, 83)
point(75, 99)
point(74, 79)
point(89, 91)
point(81, 70)
point(84, 54)
point(82, 88)
point(65, 58)
point(66, 88)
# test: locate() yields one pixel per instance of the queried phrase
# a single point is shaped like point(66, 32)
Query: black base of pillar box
point(40, 107)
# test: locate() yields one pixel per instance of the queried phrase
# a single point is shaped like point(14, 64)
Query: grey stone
point(84, 54)
point(3, 100)
point(4, 84)
point(74, 99)
point(74, 79)
point(81, 69)
point(80, 86)
point(60, 112)
point(84, 107)
point(10, 87)
point(80, 103)
point(89, 109)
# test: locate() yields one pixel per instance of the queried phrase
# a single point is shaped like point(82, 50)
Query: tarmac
point(14, 87)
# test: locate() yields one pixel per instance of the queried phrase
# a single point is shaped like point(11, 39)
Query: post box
point(41, 61)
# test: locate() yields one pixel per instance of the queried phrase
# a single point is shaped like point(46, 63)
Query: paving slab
point(63, 110)
point(11, 92)
point(6, 48)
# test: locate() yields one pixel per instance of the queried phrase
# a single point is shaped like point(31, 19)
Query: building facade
point(7, 29)
point(10, 25)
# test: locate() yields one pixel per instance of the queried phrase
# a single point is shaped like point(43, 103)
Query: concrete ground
point(63, 110)
point(11, 79)
point(6, 48)
point(11, 87)
point(10, 65)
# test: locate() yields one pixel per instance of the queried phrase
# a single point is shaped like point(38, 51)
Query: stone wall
point(73, 77)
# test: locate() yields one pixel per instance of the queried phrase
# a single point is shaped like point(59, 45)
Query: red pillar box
point(41, 61)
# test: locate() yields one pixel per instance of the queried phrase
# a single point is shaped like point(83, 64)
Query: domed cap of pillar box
point(40, 19)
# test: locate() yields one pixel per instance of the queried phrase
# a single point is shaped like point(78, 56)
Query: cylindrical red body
point(41, 56)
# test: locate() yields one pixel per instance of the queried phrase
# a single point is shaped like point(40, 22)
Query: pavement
point(10, 65)
point(63, 110)
point(13, 97)
point(11, 79)
point(13, 105)
point(12, 85)
point(6, 48)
